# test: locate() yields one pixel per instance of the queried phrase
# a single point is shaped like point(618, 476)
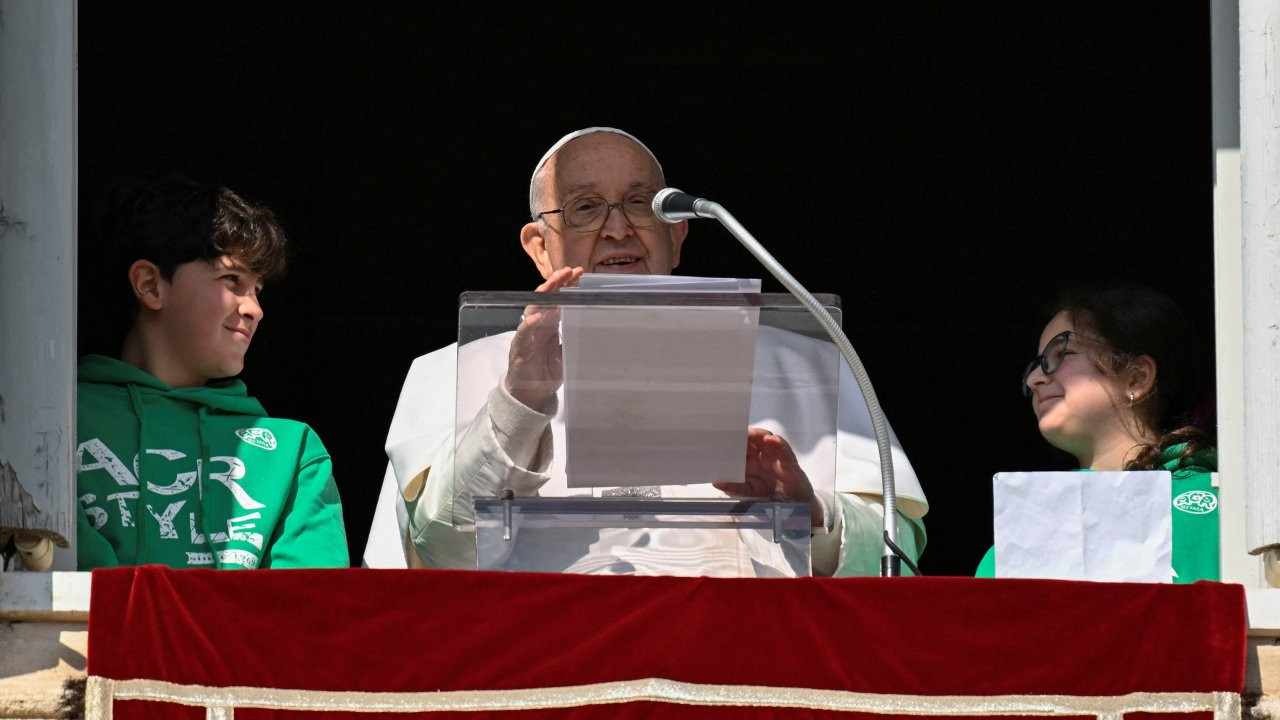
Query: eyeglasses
point(589, 213)
point(1050, 360)
point(1057, 350)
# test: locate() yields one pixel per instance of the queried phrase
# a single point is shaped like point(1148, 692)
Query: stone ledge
point(42, 669)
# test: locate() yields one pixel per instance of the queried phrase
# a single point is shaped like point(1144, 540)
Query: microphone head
point(671, 205)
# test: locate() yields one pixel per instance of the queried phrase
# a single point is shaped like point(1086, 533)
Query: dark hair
point(169, 219)
point(172, 220)
point(1138, 320)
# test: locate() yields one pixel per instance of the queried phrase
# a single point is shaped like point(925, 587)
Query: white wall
point(1260, 223)
point(38, 260)
point(1237, 564)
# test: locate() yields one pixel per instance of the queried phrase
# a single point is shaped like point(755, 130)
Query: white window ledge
point(45, 596)
point(1264, 613)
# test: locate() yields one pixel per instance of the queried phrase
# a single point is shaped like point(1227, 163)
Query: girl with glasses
point(1117, 384)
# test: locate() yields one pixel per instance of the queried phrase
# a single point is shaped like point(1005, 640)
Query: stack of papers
point(657, 395)
point(670, 283)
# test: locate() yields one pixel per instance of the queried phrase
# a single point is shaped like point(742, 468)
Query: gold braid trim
point(101, 692)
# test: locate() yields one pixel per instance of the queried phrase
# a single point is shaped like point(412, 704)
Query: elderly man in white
point(511, 389)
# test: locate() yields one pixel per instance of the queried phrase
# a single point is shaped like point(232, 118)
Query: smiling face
point(615, 168)
point(207, 317)
point(1080, 408)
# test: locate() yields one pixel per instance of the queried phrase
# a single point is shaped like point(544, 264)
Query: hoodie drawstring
point(202, 463)
point(141, 510)
point(202, 466)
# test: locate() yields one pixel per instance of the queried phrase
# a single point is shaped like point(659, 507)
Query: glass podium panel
point(655, 393)
point(746, 538)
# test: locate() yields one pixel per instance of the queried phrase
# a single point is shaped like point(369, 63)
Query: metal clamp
point(507, 494)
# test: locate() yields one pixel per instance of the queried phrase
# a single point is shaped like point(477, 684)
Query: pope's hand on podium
point(535, 367)
point(772, 468)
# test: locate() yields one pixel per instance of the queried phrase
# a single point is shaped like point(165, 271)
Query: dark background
point(944, 168)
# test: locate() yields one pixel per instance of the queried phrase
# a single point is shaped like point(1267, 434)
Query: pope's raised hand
point(772, 469)
point(535, 367)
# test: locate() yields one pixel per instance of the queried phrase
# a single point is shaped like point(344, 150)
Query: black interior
point(944, 168)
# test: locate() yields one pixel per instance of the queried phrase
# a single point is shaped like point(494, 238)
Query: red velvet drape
point(422, 630)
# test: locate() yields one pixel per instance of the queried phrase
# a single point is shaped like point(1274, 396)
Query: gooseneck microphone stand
point(672, 206)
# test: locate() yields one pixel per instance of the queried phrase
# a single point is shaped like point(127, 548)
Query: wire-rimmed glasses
point(1055, 351)
point(590, 212)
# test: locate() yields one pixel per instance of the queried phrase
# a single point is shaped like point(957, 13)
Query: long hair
point(1138, 320)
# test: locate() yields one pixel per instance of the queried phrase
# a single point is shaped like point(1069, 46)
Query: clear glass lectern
point(637, 465)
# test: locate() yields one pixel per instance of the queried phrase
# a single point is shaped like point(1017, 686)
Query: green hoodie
point(1195, 518)
point(198, 477)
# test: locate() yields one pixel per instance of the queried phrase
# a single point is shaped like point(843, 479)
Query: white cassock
point(789, 399)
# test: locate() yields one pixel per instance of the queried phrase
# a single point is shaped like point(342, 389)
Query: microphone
point(671, 206)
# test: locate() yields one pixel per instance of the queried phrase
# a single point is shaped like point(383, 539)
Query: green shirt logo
point(1196, 502)
point(261, 437)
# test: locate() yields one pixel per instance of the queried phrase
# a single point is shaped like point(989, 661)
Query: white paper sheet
point(671, 283)
point(1114, 526)
point(657, 395)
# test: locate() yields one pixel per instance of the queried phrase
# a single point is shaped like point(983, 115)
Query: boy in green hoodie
point(178, 465)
